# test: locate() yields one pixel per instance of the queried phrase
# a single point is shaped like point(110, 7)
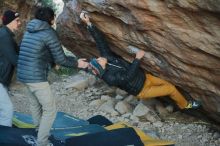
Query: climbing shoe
point(193, 105)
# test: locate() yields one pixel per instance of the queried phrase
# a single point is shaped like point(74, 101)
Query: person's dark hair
point(45, 14)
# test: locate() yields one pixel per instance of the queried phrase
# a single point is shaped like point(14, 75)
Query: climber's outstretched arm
point(98, 36)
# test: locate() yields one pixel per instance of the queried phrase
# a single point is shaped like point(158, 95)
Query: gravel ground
point(181, 128)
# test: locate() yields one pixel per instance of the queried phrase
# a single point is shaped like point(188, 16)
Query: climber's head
point(97, 66)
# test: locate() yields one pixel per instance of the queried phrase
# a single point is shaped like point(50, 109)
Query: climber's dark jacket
point(120, 73)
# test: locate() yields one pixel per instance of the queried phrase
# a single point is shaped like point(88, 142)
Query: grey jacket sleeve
point(57, 52)
point(8, 50)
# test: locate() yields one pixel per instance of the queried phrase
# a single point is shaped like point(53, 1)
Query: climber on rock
point(116, 71)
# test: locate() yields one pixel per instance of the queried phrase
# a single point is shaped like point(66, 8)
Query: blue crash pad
point(63, 134)
point(62, 121)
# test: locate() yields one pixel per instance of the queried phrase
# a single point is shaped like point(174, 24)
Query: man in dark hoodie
point(116, 71)
point(40, 48)
point(8, 60)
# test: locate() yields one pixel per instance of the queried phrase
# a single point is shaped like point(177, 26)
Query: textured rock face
point(181, 38)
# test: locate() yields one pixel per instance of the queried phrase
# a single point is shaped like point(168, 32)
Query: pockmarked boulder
point(181, 39)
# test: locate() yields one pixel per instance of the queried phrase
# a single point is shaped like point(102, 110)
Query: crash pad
point(116, 137)
point(146, 139)
point(21, 137)
point(62, 121)
point(63, 134)
point(99, 120)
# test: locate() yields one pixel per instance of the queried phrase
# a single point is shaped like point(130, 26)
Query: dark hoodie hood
point(37, 25)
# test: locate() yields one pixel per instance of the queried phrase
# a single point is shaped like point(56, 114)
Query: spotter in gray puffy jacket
point(40, 48)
